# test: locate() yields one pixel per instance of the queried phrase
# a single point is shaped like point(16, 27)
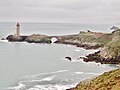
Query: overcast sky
point(72, 11)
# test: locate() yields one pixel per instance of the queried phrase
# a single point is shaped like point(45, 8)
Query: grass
point(112, 49)
point(89, 37)
point(107, 81)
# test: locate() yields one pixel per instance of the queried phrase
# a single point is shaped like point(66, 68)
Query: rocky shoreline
point(86, 40)
point(47, 40)
point(85, 46)
point(98, 59)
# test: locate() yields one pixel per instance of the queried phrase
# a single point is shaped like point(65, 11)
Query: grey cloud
point(82, 11)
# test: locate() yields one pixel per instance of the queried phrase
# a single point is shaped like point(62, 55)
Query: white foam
point(3, 40)
point(92, 73)
point(53, 40)
point(34, 76)
point(51, 87)
point(48, 78)
point(86, 73)
point(44, 79)
point(79, 72)
point(77, 50)
point(20, 86)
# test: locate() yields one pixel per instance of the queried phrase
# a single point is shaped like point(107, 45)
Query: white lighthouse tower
point(17, 32)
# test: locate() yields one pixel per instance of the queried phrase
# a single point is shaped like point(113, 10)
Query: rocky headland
point(107, 43)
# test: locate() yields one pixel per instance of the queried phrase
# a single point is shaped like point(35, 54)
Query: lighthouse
point(17, 33)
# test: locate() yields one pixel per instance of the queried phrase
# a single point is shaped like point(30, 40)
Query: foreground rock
point(107, 81)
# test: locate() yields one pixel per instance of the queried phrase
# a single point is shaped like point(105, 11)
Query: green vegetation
point(37, 38)
point(112, 49)
point(107, 81)
point(90, 38)
point(110, 41)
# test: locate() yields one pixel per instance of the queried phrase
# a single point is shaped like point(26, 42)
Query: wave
point(46, 84)
point(86, 73)
point(49, 78)
point(79, 72)
point(92, 73)
point(35, 75)
point(19, 87)
point(23, 84)
point(51, 87)
point(50, 81)
point(46, 81)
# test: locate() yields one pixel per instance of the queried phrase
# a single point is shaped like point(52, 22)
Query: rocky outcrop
point(99, 59)
point(35, 38)
point(3, 39)
point(38, 38)
point(13, 38)
point(110, 54)
point(68, 58)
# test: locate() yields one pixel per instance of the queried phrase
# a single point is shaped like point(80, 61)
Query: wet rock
point(2, 38)
point(68, 58)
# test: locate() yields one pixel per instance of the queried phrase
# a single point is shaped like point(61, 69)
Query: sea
point(25, 66)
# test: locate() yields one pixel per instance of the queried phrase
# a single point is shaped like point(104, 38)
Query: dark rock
point(13, 38)
point(114, 28)
point(81, 57)
point(2, 38)
point(71, 89)
point(97, 58)
point(69, 58)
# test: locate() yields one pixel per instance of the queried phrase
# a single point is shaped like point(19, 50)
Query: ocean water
point(25, 66)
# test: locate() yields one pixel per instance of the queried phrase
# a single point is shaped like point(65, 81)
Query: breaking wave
point(58, 80)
